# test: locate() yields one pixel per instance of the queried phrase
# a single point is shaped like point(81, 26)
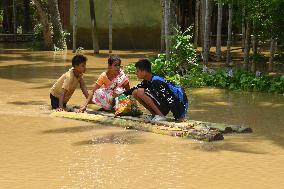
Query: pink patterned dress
point(104, 95)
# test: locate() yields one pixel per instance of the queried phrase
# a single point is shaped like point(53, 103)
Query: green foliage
point(182, 69)
point(38, 32)
point(1, 20)
point(66, 35)
point(37, 43)
point(181, 57)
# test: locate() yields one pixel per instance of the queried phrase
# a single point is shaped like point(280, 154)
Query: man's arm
point(83, 88)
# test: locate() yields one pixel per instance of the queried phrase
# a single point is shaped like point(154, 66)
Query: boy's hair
point(113, 58)
point(143, 64)
point(78, 59)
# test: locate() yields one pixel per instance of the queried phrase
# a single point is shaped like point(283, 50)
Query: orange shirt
point(103, 80)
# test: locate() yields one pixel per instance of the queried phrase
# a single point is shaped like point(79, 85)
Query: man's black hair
point(143, 64)
point(78, 59)
point(113, 59)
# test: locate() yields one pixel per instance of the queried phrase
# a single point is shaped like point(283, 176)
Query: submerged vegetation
point(183, 68)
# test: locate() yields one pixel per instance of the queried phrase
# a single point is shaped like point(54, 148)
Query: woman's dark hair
point(78, 59)
point(114, 59)
point(143, 64)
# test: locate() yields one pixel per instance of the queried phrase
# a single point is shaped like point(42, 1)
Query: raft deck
point(199, 130)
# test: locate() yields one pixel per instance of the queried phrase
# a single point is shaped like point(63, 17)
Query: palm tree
point(75, 25)
point(219, 32)
point(43, 19)
point(94, 28)
point(58, 35)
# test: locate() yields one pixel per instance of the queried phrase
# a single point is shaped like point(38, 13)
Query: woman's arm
point(90, 96)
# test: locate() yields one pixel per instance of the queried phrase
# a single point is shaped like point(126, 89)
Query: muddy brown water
point(39, 151)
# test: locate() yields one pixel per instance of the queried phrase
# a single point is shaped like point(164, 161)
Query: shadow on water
point(32, 102)
point(28, 72)
point(33, 57)
point(125, 137)
point(73, 129)
point(123, 55)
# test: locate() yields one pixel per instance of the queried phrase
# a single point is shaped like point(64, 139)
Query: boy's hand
point(60, 109)
point(81, 110)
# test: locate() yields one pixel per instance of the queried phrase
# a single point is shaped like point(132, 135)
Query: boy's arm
point(143, 84)
point(83, 88)
point(61, 100)
point(126, 86)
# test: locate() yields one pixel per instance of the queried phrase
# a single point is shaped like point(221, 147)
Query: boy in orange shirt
point(64, 87)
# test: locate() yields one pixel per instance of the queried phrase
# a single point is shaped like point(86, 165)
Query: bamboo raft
point(198, 130)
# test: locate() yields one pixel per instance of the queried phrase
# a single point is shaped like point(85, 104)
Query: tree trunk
point(210, 8)
point(75, 16)
point(43, 19)
point(94, 28)
point(229, 40)
point(196, 24)
point(110, 27)
point(243, 28)
point(172, 16)
point(58, 36)
point(272, 52)
point(7, 16)
point(219, 32)
point(206, 33)
point(27, 18)
point(167, 12)
point(254, 49)
point(163, 48)
point(247, 46)
point(14, 17)
point(202, 18)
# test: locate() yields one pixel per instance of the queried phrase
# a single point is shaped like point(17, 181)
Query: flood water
point(39, 151)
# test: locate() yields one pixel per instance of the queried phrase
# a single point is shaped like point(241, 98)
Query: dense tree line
point(216, 23)
point(258, 21)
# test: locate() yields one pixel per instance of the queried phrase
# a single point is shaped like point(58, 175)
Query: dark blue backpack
point(178, 92)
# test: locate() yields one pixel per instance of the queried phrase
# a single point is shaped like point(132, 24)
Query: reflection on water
point(38, 151)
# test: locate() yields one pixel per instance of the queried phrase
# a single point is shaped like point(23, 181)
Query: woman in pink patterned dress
point(110, 84)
